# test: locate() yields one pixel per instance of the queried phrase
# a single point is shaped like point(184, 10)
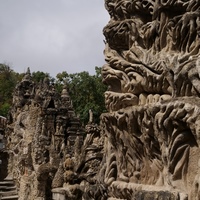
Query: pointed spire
point(28, 71)
point(65, 93)
point(27, 76)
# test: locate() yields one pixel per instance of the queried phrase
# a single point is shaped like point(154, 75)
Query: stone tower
point(42, 129)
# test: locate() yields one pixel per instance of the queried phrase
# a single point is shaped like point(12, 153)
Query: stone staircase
point(8, 190)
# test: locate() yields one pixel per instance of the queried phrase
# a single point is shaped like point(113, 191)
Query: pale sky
point(52, 35)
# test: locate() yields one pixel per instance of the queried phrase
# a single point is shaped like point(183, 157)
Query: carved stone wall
point(148, 147)
point(42, 129)
point(80, 171)
point(152, 126)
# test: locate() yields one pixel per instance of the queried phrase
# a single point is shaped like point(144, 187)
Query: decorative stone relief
point(38, 135)
point(147, 146)
point(152, 125)
point(81, 168)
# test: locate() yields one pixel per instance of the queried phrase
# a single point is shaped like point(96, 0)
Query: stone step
point(3, 187)
point(7, 183)
point(7, 188)
point(8, 193)
point(11, 187)
point(13, 197)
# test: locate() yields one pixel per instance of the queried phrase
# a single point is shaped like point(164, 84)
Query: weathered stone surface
point(40, 124)
point(81, 169)
point(152, 125)
point(48, 156)
point(147, 146)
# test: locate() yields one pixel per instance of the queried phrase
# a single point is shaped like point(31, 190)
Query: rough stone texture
point(48, 155)
point(147, 146)
point(80, 171)
point(152, 126)
point(42, 129)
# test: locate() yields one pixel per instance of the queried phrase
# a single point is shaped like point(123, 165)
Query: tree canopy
point(8, 80)
point(86, 91)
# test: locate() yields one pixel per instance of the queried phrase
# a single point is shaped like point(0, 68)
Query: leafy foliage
point(86, 92)
point(39, 76)
point(8, 80)
point(4, 109)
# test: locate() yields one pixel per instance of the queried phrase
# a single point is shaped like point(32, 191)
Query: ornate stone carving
point(40, 124)
point(81, 168)
point(46, 146)
point(147, 146)
point(152, 125)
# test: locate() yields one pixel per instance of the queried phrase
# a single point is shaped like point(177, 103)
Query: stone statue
point(90, 116)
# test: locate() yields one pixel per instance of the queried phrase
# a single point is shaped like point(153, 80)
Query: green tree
point(86, 92)
point(39, 76)
point(4, 108)
point(61, 79)
point(8, 80)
